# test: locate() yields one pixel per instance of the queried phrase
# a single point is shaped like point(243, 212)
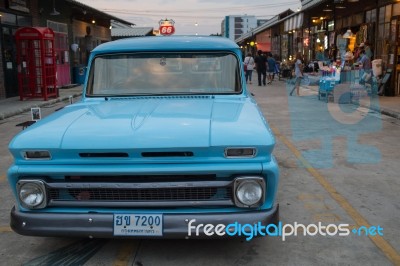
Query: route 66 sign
point(166, 26)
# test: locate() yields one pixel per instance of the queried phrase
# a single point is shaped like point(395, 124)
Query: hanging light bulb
point(54, 12)
point(327, 9)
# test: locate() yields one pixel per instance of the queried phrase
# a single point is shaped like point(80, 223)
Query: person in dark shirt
point(366, 67)
point(271, 67)
point(261, 67)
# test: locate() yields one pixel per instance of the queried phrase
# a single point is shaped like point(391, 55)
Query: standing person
point(357, 51)
point(365, 64)
point(261, 67)
point(271, 67)
point(368, 50)
point(298, 71)
point(364, 60)
point(249, 63)
point(320, 56)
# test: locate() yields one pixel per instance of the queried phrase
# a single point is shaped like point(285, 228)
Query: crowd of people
point(267, 66)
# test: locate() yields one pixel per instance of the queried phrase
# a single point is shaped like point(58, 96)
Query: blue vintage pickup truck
point(166, 143)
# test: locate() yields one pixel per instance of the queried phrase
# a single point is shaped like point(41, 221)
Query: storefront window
point(306, 44)
point(396, 9)
point(385, 15)
point(388, 13)
point(24, 21)
point(357, 19)
point(370, 16)
point(298, 42)
point(12, 19)
point(373, 15)
point(381, 31)
point(386, 35)
point(9, 19)
point(290, 45)
point(275, 48)
point(331, 25)
point(339, 24)
point(382, 14)
point(284, 46)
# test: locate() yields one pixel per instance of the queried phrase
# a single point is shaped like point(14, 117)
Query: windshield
point(164, 73)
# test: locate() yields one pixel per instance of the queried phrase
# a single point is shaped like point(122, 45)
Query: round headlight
point(31, 195)
point(249, 192)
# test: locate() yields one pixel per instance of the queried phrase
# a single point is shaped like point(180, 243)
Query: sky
point(201, 17)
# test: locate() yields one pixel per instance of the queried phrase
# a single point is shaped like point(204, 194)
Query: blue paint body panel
point(182, 138)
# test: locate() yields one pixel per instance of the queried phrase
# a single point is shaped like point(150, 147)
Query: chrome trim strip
point(194, 184)
point(140, 204)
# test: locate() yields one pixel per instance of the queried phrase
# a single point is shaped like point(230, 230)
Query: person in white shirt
point(298, 71)
point(249, 66)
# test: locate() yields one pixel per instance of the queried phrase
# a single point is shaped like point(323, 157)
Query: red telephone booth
point(36, 63)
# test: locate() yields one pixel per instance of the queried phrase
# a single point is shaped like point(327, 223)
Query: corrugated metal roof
point(271, 22)
point(77, 3)
point(130, 32)
point(311, 3)
point(275, 20)
point(260, 28)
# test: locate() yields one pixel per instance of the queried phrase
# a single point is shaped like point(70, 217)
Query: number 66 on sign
point(166, 27)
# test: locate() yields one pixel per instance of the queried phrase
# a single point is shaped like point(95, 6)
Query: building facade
point(13, 15)
point(234, 26)
point(78, 28)
point(332, 28)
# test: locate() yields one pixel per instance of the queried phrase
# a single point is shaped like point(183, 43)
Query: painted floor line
point(379, 241)
point(128, 248)
point(76, 253)
point(5, 229)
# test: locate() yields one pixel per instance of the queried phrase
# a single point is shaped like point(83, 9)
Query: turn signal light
point(240, 152)
point(37, 155)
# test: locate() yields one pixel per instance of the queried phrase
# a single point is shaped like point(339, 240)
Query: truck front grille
point(169, 194)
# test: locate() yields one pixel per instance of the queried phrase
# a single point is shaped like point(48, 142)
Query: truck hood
point(170, 122)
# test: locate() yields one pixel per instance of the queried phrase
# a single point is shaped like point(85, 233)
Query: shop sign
point(19, 5)
point(166, 27)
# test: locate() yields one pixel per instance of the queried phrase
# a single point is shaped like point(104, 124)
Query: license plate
point(138, 224)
